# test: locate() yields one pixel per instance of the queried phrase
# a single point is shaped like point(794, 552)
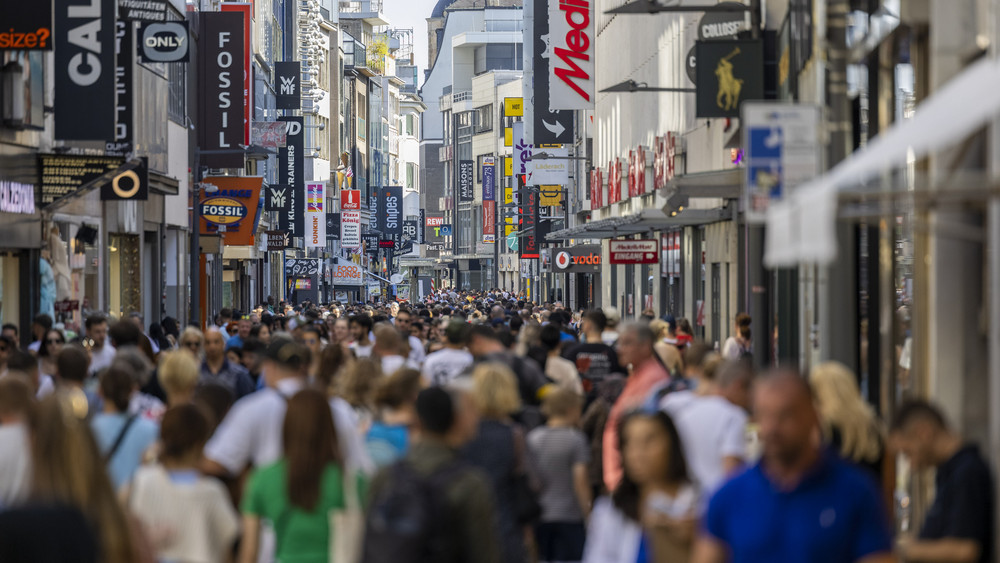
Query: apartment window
point(177, 96)
point(411, 175)
point(411, 124)
point(498, 56)
point(483, 119)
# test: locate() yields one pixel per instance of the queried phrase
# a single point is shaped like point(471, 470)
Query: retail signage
point(164, 42)
point(347, 273)
point(691, 64)
point(522, 150)
point(315, 215)
point(62, 174)
point(445, 230)
point(301, 267)
point(411, 228)
point(508, 166)
point(664, 154)
point(614, 181)
point(466, 180)
point(508, 136)
point(84, 69)
point(244, 9)
point(637, 172)
point(529, 224)
point(644, 251)
point(269, 134)
point(577, 259)
point(392, 214)
point(724, 25)
point(332, 226)
point(729, 73)
point(513, 107)
point(142, 10)
point(220, 50)
point(434, 221)
point(670, 252)
point(290, 170)
point(276, 197)
point(550, 126)
point(421, 234)
point(571, 33)
point(132, 184)
point(235, 206)
point(489, 222)
point(277, 240)
point(373, 214)
point(596, 189)
point(350, 229)
point(27, 26)
point(549, 171)
point(386, 243)
point(489, 178)
point(287, 82)
point(782, 151)
point(124, 101)
point(550, 196)
point(350, 200)
point(16, 197)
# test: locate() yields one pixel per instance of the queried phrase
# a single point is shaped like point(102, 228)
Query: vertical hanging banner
point(489, 200)
point(489, 221)
point(392, 214)
point(84, 69)
point(122, 144)
point(290, 164)
point(315, 215)
point(421, 235)
point(350, 219)
point(529, 224)
point(220, 52)
point(332, 226)
point(596, 189)
point(245, 9)
point(571, 62)
point(551, 126)
point(287, 81)
point(466, 180)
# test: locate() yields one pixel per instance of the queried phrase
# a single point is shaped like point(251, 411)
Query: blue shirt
point(234, 342)
point(835, 515)
point(140, 436)
point(387, 443)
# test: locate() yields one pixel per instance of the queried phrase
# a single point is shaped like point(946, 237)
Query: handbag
point(347, 525)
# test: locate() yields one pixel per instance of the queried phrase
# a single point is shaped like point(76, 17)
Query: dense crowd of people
point(469, 427)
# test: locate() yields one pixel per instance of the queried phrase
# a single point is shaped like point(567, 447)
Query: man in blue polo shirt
point(801, 503)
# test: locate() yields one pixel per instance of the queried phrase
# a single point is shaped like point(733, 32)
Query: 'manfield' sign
point(634, 251)
point(571, 31)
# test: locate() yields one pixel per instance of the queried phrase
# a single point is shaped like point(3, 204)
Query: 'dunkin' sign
point(729, 73)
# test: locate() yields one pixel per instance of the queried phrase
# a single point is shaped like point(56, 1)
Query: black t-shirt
point(963, 505)
point(594, 360)
point(46, 534)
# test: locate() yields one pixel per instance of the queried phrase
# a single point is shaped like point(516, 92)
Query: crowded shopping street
point(499, 281)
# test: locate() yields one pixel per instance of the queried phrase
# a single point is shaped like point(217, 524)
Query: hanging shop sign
point(84, 70)
point(276, 197)
point(27, 26)
point(637, 172)
point(142, 10)
point(724, 25)
point(277, 240)
point(691, 64)
point(315, 215)
point(350, 200)
point(614, 181)
point(234, 210)
point(221, 88)
point(571, 34)
point(550, 196)
point(466, 180)
point(529, 224)
point(290, 173)
point(332, 226)
point(489, 222)
point(301, 267)
point(164, 42)
point(551, 126)
point(445, 230)
point(664, 153)
point(132, 184)
point(347, 273)
point(124, 101)
point(489, 178)
point(596, 189)
point(633, 251)
point(582, 259)
point(287, 83)
point(392, 214)
point(245, 11)
point(62, 175)
point(729, 73)
point(513, 107)
point(553, 170)
point(269, 134)
point(421, 221)
point(350, 219)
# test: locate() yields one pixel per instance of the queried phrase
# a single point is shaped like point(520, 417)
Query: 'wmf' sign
point(287, 77)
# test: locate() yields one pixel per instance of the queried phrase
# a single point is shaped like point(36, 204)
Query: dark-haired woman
point(52, 343)
point(298, 492)
point(650, 517)
point(186, 515)
point(121, 437)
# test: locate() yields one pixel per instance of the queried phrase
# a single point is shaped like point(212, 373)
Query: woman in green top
point(297, 493)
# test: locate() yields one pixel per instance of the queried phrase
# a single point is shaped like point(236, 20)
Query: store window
point(124, 275)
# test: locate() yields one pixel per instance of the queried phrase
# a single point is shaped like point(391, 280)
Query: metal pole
point(196, 243)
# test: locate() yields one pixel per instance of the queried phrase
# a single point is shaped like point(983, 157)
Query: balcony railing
point(463, 96)
point(361, 6)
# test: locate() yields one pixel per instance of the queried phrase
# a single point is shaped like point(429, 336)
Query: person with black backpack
point(431, 507)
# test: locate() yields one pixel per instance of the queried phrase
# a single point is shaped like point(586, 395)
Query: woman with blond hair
point(500, 450)
point(178, 374)
point(849, 423)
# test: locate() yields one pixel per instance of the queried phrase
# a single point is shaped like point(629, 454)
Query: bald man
point(800, 502)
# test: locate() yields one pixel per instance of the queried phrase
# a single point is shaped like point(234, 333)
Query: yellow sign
point(508, 195)
point(550, 196)
point(508, 137)
point(729, 86)
point(508, 228)
point(513, 107)
point(508, 166)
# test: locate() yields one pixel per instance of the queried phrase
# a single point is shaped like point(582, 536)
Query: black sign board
point(332, 226)
point(290, 171)
point(411, 230)
point(373, 214)
point(551, 127)
point(371, 241)
point(584, 258)
point(276, 197)
point(27, 26)
point(132, 184)
point(466, 179)
point(143, 10)
point(529, 224)
point(164, 42)
point(421, 235)
point(125, 103)
point(277, 240)
point(220, 103)
point(729, 73)
point(391, 222)
point(287, 81)
point(61, 175)
point(85, 70)
point(723, 25)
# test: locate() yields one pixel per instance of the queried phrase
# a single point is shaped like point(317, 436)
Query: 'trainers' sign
point(571, 31)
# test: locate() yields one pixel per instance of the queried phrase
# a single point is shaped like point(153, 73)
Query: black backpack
point(408, 520)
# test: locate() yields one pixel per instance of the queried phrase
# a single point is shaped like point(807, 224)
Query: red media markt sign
point(634, 251)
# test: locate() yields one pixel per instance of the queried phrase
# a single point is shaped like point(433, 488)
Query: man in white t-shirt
point(712, 421)
point(102, 352)
point(443, 366)
point(361, 326)
point(403, 322)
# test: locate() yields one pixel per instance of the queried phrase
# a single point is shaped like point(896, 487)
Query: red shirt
point(638, 387)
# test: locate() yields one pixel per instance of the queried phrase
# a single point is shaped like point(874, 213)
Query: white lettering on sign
point(721, 29)
point(16, 197)
point(85, 66)
point(571, 29)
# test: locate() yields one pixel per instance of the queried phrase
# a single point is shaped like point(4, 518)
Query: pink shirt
point(638, 387)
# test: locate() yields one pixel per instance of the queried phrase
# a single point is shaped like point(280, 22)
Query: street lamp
point(633, 86)
point(653, 7)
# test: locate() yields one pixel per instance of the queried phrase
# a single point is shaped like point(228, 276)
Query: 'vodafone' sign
point(571, 31)
point(584, 259)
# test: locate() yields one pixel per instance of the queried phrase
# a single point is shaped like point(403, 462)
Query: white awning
point(802, 229)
